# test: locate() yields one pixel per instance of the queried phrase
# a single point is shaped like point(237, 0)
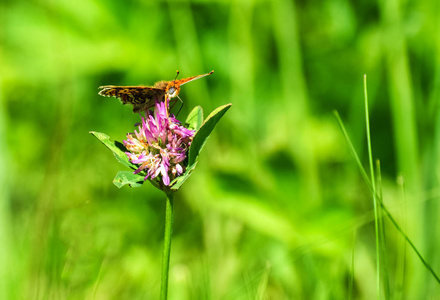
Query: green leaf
point(195, 118)
point(177, 183)
point(116, 147)
point(128, 177)
point(204, 131)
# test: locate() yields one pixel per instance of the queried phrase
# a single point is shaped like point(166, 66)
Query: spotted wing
point(141, 97)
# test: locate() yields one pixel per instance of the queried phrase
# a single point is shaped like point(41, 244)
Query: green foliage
point(128, 178)
point(116, 147)
point(195, 118)
point(204, 132)
point(277, 208)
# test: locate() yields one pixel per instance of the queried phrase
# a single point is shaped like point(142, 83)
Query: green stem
point(169, 216)
point(373, 185)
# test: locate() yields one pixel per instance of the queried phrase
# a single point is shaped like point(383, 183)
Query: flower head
point(160, 145)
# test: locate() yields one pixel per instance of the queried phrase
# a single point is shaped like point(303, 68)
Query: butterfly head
point(172, 89)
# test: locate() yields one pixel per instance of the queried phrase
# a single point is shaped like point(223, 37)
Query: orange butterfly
point(144, 97)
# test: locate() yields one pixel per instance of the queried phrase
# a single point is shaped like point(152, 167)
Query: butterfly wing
point(179, 82)
point(141, 97)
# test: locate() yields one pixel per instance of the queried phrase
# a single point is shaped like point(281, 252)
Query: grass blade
point(384, 269)
point(373, 187)
point(388, 214)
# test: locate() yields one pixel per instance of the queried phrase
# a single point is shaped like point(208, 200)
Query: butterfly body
point(143, 97)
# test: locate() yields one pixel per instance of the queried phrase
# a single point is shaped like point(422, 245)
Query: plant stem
point(169, 216)
point(373, 185)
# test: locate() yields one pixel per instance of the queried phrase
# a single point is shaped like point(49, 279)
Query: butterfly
point(143, 97)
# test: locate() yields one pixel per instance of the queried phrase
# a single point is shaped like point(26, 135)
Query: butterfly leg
point(174, 103)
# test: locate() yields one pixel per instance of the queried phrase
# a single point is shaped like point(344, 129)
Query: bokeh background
point(277, 208)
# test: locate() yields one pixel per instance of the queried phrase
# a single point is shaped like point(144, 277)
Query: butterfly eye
point(171, 90)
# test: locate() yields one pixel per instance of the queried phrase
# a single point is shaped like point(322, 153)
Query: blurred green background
point(277, 208)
